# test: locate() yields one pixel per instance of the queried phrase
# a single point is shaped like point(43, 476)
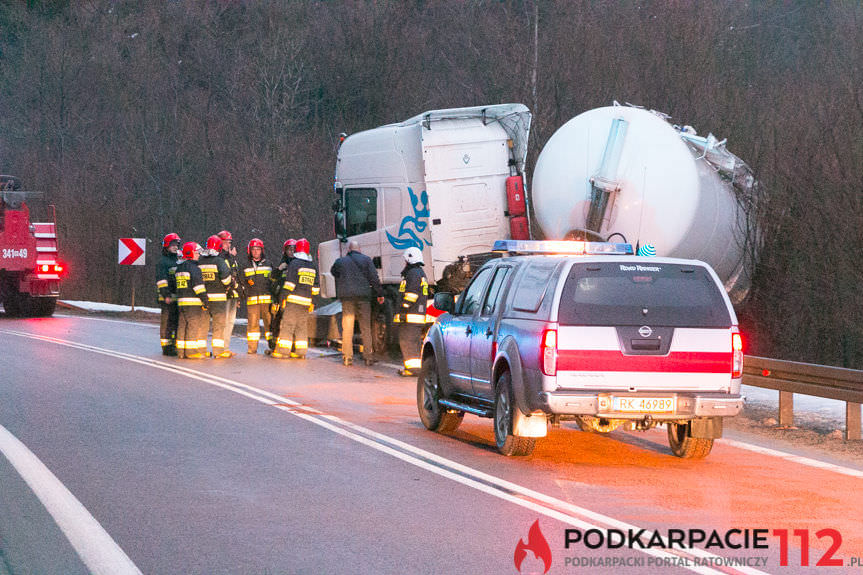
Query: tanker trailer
point(623, 173)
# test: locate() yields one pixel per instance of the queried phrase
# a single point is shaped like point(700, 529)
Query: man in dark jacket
point(166, 286)
point(356, 282)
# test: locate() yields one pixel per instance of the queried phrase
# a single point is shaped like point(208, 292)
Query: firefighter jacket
point(301, 283)
point(278, 276)
point(166, 285)
point(234, 289)
point(190, 285)
point(217, 277)
point(414, 291)
point(256, 282)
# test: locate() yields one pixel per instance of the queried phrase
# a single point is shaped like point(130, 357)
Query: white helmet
point(413, 255)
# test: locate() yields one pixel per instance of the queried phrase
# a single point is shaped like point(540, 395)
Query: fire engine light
point(561, 247)
point(44, 267)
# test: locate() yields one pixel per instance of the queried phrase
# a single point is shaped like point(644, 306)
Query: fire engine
point(30, 270)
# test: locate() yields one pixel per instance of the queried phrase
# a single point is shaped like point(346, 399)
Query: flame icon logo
point(535, 542)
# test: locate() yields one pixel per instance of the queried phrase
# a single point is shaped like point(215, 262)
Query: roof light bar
point(561, 247)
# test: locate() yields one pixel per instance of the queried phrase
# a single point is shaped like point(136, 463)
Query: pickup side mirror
point(444, 301)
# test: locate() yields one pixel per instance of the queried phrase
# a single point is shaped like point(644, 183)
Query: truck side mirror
point(444, 301)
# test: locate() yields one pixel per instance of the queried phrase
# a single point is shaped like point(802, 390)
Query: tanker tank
point(622, 173)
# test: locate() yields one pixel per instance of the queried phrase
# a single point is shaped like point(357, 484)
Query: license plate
point(644, 404)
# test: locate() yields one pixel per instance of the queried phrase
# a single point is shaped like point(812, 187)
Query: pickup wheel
point(433, 416)
point(687, 447)
point(507, 443)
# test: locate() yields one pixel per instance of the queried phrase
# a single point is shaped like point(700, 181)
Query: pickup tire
point(507, 443)
point(684, 446)
point(433, 416)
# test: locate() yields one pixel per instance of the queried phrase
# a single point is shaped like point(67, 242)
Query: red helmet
point(189, 250)
point(170, 238)
point(255, 243)
point(214, 243)
point(225, 235)
point(303, 246)
point(290, 243)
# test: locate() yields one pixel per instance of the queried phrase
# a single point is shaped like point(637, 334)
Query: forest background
point(141, 118)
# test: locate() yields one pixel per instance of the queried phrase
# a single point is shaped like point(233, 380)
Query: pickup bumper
point(686, 405)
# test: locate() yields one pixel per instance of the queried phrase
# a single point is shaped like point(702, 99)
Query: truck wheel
point(14, 304)
point(42, 306)
point(433, 416)
point(507, 443)
point(687, 447)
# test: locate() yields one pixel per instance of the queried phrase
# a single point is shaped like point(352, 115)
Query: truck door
point(484, 334)
point(458, 330)
point(361, 219)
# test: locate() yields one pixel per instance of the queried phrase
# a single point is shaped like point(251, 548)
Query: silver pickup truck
point(584, 331)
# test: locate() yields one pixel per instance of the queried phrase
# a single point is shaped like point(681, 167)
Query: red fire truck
point(30, 270)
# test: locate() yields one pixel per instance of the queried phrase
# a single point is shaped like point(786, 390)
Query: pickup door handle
point(468, 330)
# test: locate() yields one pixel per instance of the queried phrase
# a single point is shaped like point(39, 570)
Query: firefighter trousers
point(294, 330)
point(257, 313)
point(410, 339)
point(231, 319)
point(168, 327)
point(192, 331)
point(219, 317)
point(357, 310)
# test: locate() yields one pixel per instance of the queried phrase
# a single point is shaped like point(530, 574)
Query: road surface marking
point(795, 458)
point(544, 504)
point(99, 552)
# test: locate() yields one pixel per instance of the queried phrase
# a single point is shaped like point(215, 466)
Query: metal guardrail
point(790, 377)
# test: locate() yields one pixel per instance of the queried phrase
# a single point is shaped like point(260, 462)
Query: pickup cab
point(584, 332)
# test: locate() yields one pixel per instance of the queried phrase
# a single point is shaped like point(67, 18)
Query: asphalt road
point(253, 465)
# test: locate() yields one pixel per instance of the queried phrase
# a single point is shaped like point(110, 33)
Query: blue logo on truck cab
point(411, 226)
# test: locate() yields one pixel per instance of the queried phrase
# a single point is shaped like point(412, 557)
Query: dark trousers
point(257, 313)
point(231, 319)
point(275, 327)
point(168, 325)
point(192, 331)
point(294, 330)
point(357, 310)
point(219, 318)
point(410, 339)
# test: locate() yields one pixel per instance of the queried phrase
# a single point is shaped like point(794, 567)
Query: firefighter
point(298, 287)
point(229, 254)
point(192, 302)
point(256, 284)
point(411, 311)
point(278, 278)
point(218, 281)
point(166, 286)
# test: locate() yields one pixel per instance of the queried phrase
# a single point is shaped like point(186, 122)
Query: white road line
point(795, 458)
point(489, 484)
point(99, 552)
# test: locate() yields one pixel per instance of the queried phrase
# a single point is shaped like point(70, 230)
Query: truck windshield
point(614, 293)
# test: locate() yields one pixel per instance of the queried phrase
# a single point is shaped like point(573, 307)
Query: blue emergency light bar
point(561, 247)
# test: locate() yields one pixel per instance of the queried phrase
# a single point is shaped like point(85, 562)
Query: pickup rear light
point(736, 354)
point(548, 352)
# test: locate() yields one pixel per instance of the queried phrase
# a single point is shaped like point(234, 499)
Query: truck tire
point(41, 306)
point(14, 304)
point(684, 446)
point(433, 416)
point(507, 443)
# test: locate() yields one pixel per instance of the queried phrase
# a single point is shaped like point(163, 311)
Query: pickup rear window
point(669, 295)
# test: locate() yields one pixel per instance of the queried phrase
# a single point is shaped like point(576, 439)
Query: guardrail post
point(786, 408)
point(852, 421)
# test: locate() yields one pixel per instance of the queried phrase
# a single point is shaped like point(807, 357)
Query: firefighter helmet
point(225, 235)
point(413, 255)
point(170, 238)
point(214, 243)
point(190, 249)
point(302, 247)
point(255, 243)
point(291, 243)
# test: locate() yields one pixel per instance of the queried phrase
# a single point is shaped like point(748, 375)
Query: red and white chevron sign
point(132, 251)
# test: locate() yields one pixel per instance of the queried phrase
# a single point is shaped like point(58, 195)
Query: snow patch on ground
point(818, 412)
point(99, 306)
